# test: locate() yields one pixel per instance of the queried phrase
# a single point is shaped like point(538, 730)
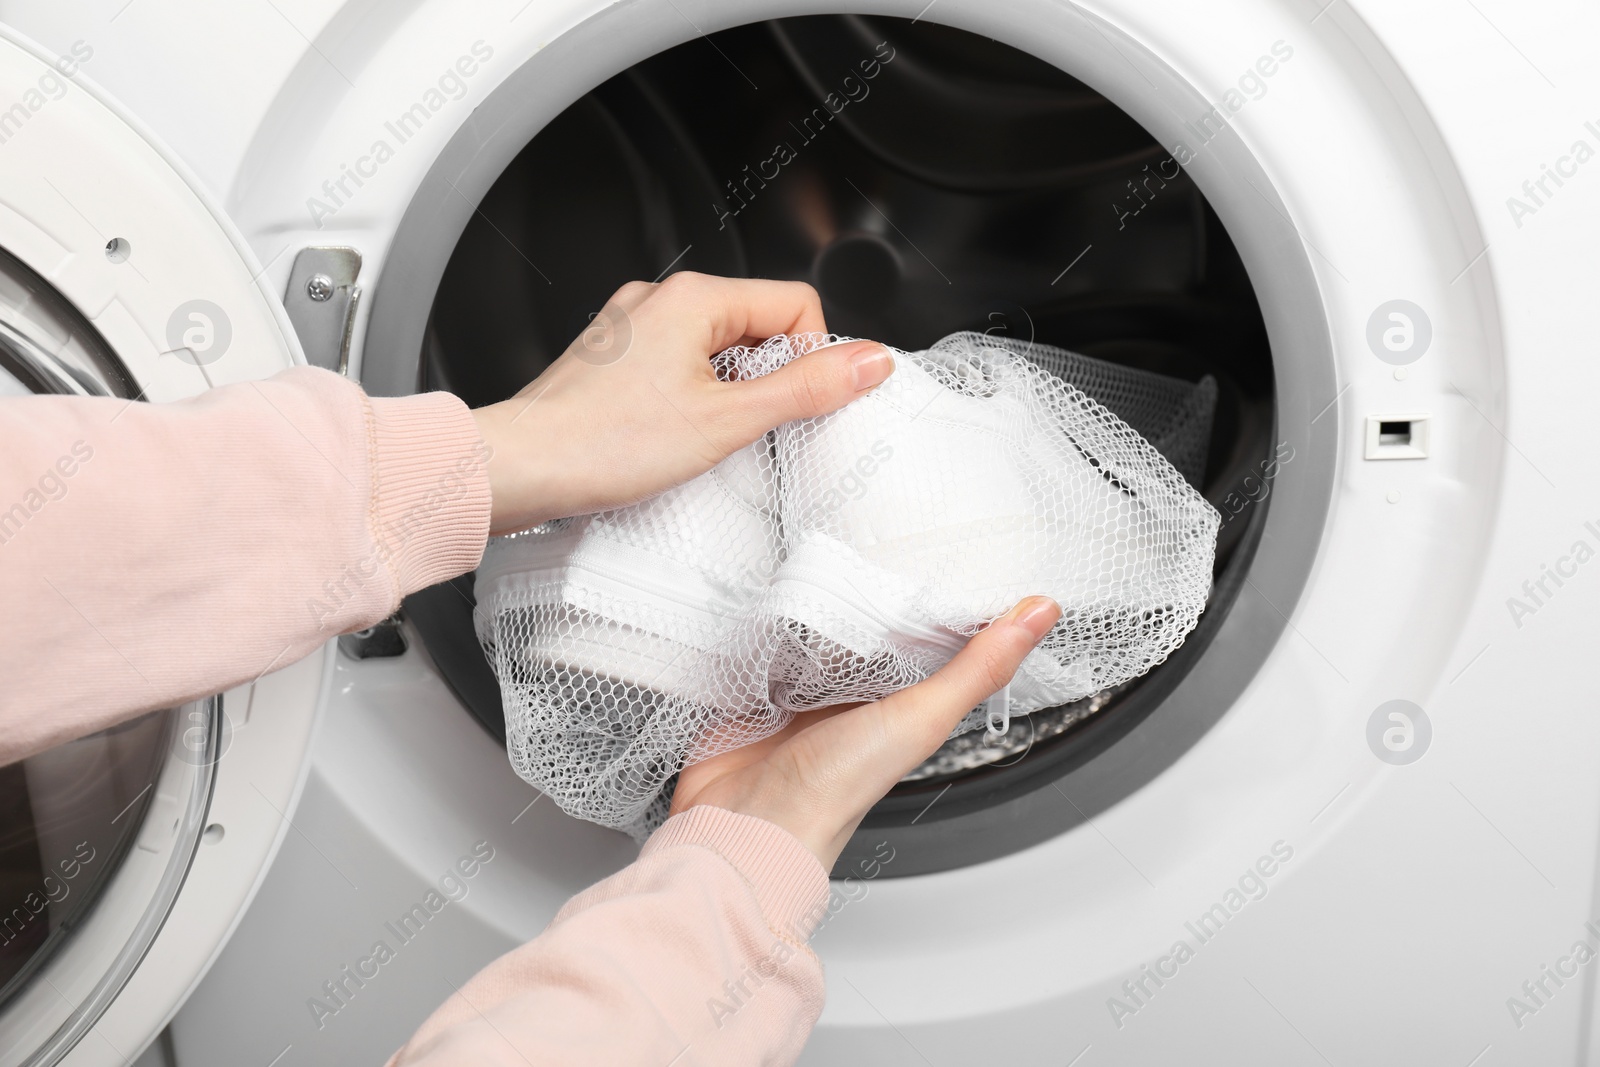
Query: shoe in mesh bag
point(845, 557)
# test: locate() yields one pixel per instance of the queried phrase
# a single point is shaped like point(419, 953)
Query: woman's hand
point(818, 776)
point(634, 407)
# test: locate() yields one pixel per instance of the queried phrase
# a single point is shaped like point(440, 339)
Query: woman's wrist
point(521, 492)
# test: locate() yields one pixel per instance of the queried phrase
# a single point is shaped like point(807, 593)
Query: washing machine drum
point(842, 558)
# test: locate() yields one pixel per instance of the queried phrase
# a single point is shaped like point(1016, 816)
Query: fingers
point(631, 295)
point(751, 309)
point(740, 309)
point(815, 384)
point(731, 311)
point(916, 721)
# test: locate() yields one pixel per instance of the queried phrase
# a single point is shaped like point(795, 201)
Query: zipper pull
point(997, 712)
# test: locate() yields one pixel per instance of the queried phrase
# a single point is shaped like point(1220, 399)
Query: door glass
point(67, 818)
point(98, 831)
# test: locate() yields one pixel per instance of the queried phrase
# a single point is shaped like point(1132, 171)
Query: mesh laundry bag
point(845, 557)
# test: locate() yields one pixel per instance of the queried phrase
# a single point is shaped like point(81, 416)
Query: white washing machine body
point(110, 245)
point(1320, 876)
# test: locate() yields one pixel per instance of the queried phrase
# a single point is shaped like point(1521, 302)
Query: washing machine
point(1353, 819)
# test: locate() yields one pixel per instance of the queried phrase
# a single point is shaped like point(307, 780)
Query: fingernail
point(871, 366)
point(1036, 614)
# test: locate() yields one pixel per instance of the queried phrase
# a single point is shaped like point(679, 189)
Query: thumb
point(920, 717)
point(864, 751)
point(818, 382)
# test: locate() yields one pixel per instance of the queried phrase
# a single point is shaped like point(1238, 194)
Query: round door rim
point(1230, 175)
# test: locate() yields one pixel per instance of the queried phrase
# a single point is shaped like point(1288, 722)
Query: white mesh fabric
point(845, 557)
point(1170, 413)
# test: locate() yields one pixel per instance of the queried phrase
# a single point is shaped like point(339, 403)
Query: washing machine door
point(126, 857)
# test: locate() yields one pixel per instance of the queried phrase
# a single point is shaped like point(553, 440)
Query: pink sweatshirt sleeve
point(694, 955)
point(151, 554)
point(154, 553)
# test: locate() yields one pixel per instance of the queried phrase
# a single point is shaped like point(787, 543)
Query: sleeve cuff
point(788, 881)
point(430, 488)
